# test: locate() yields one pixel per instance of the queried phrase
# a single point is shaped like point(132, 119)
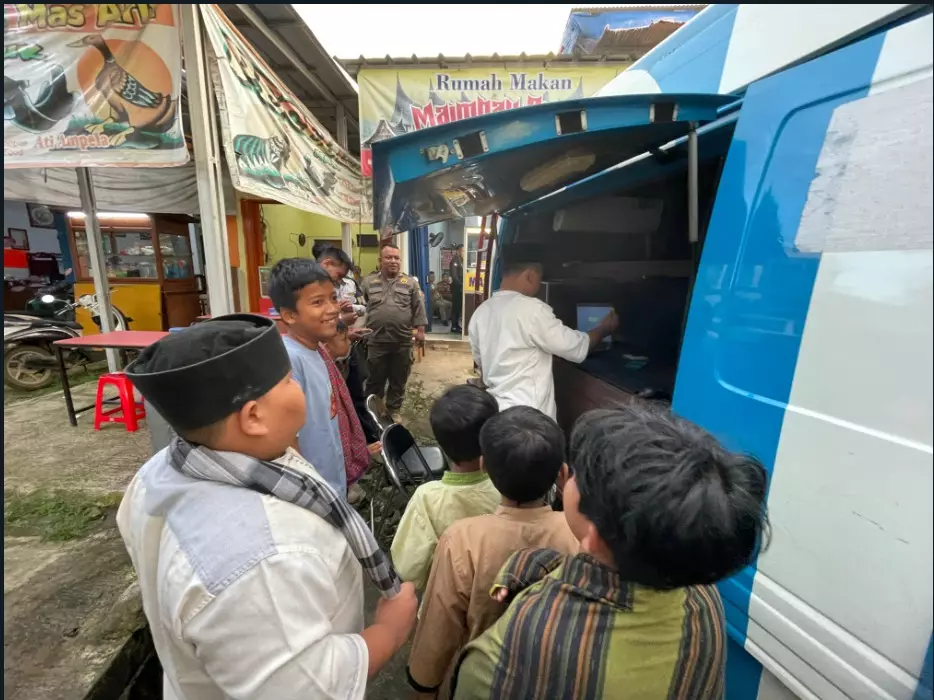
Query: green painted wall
point(284, 223)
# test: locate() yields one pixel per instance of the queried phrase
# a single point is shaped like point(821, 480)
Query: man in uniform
point(457, 288)
point(441, 298)
point(394, 307)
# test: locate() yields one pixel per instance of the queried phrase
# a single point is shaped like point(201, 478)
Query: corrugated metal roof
point(284, 23)
point(618, 8)
point(636, 39)
point(353, 66)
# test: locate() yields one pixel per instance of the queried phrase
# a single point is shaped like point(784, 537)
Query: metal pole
point(693, 206)
point(218, 165)
point(346, 239)
point(92, 230)
point(216, 262)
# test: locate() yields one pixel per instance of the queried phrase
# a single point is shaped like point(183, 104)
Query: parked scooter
point(29, 361)
point(54, 301)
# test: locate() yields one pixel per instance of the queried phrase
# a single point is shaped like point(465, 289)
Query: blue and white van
point(755, 198)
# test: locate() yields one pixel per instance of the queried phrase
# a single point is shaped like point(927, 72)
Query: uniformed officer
point(394, 307)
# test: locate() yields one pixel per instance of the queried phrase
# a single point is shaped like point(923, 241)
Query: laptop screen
point(590, 315)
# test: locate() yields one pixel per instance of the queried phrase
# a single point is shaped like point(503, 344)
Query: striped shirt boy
point(577, 631)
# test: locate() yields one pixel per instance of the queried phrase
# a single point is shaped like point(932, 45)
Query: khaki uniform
point(394, 307)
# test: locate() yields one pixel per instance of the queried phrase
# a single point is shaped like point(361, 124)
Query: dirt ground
point(70, 599)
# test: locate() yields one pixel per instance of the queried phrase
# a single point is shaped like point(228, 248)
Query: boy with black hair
point(464, 491)
point(332, 438)
point(250, 566)
point(523, 452)
point(350, 358)
point(662, 512)
point(339, 265)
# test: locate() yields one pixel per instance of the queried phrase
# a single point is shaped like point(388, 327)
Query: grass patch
point(415, 409)
point(56, 515)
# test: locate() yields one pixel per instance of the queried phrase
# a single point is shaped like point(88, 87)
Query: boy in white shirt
point(513, 335)
point(250, 566)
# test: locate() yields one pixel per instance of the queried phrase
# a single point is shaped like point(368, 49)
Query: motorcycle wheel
point(17, 375)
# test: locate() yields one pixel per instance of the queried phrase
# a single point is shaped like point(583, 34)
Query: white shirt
point(347, 291)
point(513, 338)
point(247, 596)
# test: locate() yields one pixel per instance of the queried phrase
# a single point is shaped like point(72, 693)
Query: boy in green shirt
point(662, 512)
point(464, 491)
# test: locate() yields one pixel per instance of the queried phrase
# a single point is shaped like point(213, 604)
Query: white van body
point(808, 336)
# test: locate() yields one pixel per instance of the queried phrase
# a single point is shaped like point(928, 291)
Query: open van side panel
point(809, 344)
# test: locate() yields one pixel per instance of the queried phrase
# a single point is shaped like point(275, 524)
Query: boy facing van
point(523, 452)
point(463, 491)
point(662, 512)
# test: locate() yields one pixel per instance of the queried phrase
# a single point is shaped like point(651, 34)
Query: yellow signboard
point(394, 102)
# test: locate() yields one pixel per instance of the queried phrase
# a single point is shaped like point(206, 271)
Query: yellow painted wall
point(284, 223)
point(367, 259)
point(141, 302)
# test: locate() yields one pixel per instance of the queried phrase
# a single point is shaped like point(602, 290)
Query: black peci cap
point(201, 375)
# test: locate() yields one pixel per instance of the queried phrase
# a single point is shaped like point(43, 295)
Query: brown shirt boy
point(457, 607)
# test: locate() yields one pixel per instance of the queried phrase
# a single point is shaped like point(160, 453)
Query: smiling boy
point(332, 438)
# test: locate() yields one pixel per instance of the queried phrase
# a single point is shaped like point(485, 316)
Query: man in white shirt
point(514, 335)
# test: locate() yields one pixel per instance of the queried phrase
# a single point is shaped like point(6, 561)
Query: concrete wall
point(41, 240)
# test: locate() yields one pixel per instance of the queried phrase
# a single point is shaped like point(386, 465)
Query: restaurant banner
point(92, 85)
point(275, 147)
point(396, 101)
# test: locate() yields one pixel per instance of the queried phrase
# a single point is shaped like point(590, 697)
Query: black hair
point(457, 418)
point(523, 450)
point(289, 276)
point(318, 248)
point(519, 257)
point(389, 244)
point(209, 435)
point(673, 505)
point(336, 254)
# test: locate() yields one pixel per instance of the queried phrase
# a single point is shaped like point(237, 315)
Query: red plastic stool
point(128, 412)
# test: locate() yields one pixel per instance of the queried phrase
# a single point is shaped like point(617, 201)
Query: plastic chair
point(129, 412)
point(376, 407)
point(405, 465)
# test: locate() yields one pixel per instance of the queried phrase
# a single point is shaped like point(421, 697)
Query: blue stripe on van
point(753, 289)
point(923, 691)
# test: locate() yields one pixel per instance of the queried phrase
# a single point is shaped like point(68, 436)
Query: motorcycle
point(29, 361)
point(53, 301)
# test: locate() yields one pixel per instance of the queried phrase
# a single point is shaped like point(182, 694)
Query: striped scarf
point(292, 486)
point(353, 441)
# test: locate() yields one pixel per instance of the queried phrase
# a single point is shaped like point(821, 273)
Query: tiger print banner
point(275, 147)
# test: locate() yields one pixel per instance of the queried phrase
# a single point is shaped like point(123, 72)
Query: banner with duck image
point(275, 147)
point(92, 85)
point(396, 100)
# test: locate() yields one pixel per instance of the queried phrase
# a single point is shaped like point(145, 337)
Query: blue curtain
point(418, 264)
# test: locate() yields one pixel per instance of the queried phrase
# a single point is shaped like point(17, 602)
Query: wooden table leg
point(66, 387)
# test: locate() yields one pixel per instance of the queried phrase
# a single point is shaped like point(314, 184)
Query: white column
point(92, 230)
point(207, 165)
point(403, 242)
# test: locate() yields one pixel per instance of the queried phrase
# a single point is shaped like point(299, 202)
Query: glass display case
point(156, 251)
